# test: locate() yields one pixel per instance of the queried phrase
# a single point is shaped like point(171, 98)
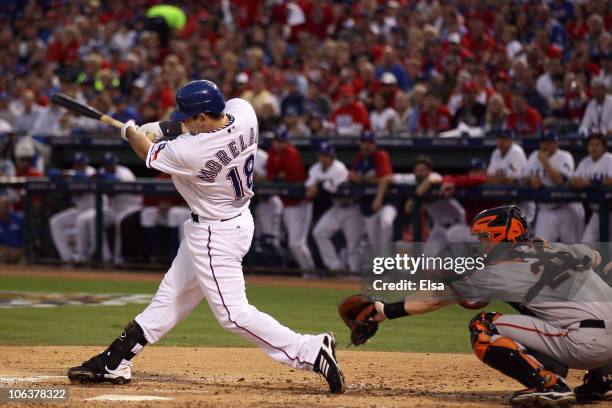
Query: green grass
point(306, 310)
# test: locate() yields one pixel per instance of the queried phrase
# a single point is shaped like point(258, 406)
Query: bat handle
point(111, 121)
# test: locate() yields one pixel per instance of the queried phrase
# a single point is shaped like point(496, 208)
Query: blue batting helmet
point(199, 96)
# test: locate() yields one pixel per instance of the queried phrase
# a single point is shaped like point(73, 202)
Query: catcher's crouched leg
point(113, 364)
point(541, 374)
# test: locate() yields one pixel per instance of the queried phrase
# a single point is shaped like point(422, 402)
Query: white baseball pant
point(174, 217)
point(297, 220)
point(268, 215)
point(209, 265)
point(379, 229)
point(86, 234)
point(63, 229)
point(118, 220)
point(347, 219)
point(591, 232)
point(563, 224)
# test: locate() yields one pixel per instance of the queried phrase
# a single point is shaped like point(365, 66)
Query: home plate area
point(245, 377)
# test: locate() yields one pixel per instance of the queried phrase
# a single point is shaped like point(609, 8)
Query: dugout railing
point(36, 189)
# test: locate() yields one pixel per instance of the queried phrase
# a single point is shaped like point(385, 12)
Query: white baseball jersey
point(512, 164)
point(331, 178)
point(261, 158)
point(442, 211)
point(561, 160)
point(213, 171)
point(598, 170)
point(84, 201)
point(121, 202)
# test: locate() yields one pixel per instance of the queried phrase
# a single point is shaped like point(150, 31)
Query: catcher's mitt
point(356, 311)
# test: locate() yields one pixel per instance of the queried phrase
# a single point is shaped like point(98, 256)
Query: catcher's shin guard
point(506, 355)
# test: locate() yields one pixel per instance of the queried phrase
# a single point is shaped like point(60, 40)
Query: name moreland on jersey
point(213, 171)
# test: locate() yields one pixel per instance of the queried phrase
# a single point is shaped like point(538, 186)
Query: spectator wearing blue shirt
point(389, 63)
point(11, 233)
point(294, 100)
point(125, 112)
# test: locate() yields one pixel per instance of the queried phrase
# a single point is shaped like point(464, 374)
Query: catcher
point(537, 346)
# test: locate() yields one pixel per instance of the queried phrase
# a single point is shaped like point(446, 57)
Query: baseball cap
point(281, 135)
point(326, 149)
point(454, 38)
point(477, 164)
point(110, 158)
point(291, 111)
point(470, 86)
point(549, 136)
point(242, 78)
point(388, 78)
point(80, 158)
point(506, 133)
point(368, 136)
point(346, 90)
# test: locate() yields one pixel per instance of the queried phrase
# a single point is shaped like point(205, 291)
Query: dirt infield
point(234, 377)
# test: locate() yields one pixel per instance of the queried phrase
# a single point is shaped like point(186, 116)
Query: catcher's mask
point(500, 224)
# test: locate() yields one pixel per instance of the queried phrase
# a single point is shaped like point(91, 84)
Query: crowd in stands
point(310, 68)
point(315, 67)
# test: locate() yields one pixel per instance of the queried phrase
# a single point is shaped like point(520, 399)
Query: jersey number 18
point(234, 177)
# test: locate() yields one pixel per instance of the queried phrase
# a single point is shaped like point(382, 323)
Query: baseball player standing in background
point(212, 168)
point(593, 171)
point(121, 205)
point(552, 167)
point(507, 165)
point(63, 224)
point(324, 177)
point(269, 210)
point(443, 213)
point(371, 166)
point(286, 165)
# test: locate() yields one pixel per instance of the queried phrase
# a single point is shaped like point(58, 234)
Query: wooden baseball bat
point(89, 111)
point(83, 109)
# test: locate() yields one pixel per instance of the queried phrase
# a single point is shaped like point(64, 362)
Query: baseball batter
point(593, 171)
point(565, 318)
point(324, 177)
point(552, 167)
point(212, 168)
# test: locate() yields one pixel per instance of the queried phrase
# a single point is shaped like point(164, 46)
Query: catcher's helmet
point(199, 96)
point(501, 224)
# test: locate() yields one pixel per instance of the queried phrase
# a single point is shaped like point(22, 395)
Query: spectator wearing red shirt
point(351, 117)
point(371, 166)
point(523, 119)
point(435, 117)
point(477, 41)
point(285, 164)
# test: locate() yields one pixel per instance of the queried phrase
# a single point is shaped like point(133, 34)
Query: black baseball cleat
point(327, 365)
point(94, 371)
point(595, 387)
point(556, 396)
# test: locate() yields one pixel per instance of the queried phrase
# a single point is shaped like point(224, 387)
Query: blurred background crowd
point(319, 69)
point(314, 67)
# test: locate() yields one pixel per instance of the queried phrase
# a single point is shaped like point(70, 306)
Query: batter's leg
point(217, 251)
point(60, 225)
point(547, 225)
point(327, 226)
point(178, 294)
point(297, 220)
